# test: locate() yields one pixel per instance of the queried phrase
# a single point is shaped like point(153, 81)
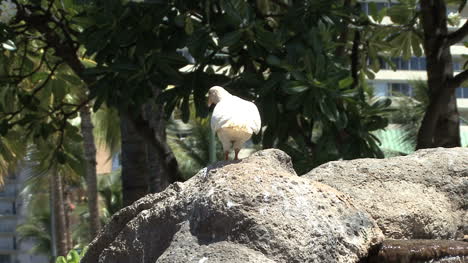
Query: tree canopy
point(302, 63)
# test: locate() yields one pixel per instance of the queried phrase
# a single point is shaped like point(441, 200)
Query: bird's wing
point(236, 113)
point(253, 117)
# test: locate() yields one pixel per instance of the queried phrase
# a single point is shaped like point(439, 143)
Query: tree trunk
point(91, 177)
point(440, 125)
point(158, 171)
point(134, 165)
point(67, 211)
point(58, 213)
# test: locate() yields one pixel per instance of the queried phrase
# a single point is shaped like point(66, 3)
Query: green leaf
point(346, 82)
point(185, 108)
point(381, 103)
point(230, 38)
point(45, 130)
point(373, 10)
point(296, 89)
point(61, 259)
point(59, 89)
point(310, 105)
point(400, 14)
point(9, 45)
point(180, 20)
point(342, 121)
point(273, 60)
point(4, 126)
point(72, 79)
point(73, 257)
point(416, 45)
point(123, 67)
point(38, 76)
point(369, 74)
point(294, 101)
point(188, 25)
point(376, 122)
point(329, 110)
point(266, 38)
point(96, 70)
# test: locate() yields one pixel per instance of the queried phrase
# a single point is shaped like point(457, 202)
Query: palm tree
point(58, 218)
point(410, 112)
point(110, 201)
point(47, 175)
point(89, 147)
point(38, 224)
point(39, 220)
point(191, 143)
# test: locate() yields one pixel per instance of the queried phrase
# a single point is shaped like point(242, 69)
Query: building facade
point(390, 83)
point(12, 213)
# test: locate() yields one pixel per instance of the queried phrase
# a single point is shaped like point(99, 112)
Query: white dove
point(233, 119)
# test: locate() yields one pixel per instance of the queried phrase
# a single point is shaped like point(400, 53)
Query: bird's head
point(216, 94)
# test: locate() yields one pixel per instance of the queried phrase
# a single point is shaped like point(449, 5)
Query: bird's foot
point(236, 151)
point(226, 156)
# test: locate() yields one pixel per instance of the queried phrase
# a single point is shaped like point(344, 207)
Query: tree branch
point(64, 48)
point(49, 77)
point(457, 35)
point(458, 80)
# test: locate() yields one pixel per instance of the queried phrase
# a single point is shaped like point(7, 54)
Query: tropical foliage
point(139, 64)
point(38, 224)
point(74, 256)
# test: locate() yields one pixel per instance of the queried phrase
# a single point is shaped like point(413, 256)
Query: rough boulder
point(255, 210)
point(420, 196)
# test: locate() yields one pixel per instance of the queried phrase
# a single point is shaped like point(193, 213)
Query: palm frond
point(410, 112)
point(107, 129)
point(38, 223)
point(12, 151)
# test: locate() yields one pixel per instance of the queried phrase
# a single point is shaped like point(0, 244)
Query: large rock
point(255, 210)
point(420, 196)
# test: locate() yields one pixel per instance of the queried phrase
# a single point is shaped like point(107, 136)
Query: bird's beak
point(210, 101)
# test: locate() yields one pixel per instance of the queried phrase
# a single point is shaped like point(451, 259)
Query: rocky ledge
point(255, 210)
point(259, 210)
point(420, 196)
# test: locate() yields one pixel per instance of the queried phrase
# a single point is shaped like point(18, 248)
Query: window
point(414, 62)
point(8, 190)
point(462, 93)
point(7, 226)
point(365, 8)
point(7, 207)
point(7, 243)
point(400, 89)
point(422, 63)
point(457, 66)
point(380, 89)
point(404, 64)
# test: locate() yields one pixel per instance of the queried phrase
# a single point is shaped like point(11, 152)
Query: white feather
point(237, 113)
